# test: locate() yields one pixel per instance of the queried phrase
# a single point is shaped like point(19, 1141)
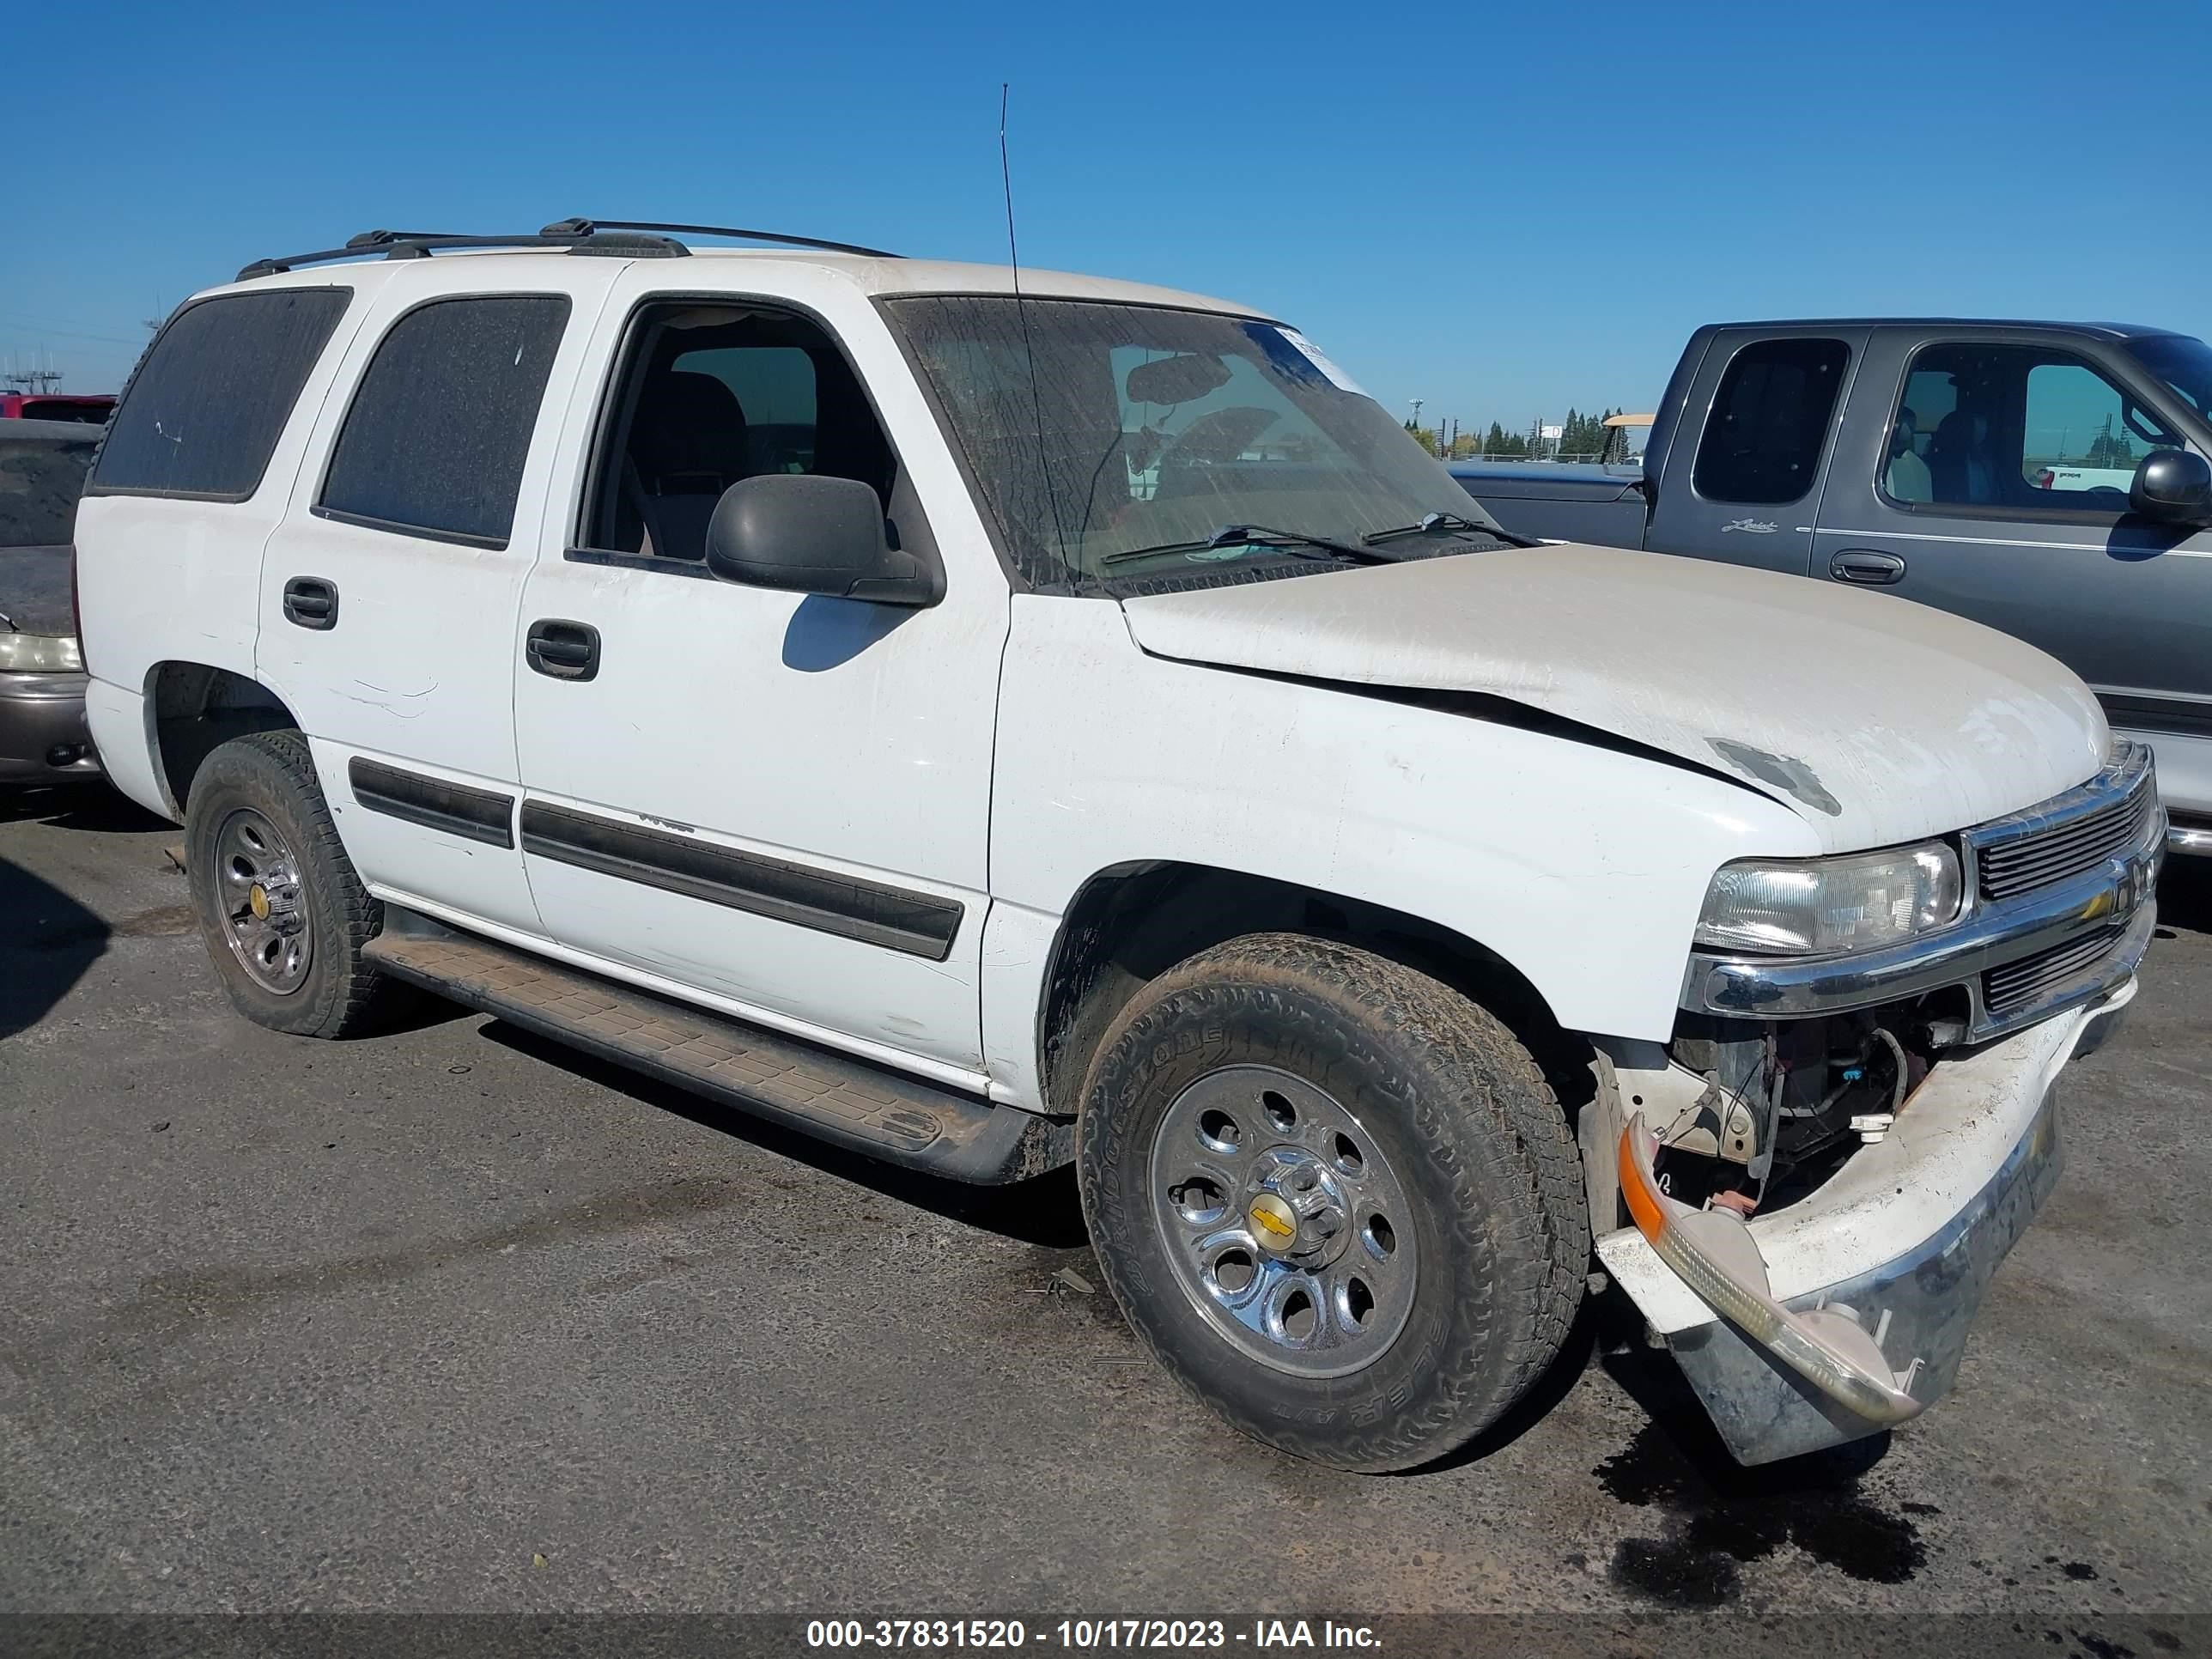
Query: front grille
point(2018, 983)
point(2064, 849)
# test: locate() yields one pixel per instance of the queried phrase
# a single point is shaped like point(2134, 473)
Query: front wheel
point(1336, 1199)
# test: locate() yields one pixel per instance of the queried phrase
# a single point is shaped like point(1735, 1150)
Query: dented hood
point(1877, 720)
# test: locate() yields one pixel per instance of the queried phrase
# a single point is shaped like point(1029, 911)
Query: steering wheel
point(1218, 436)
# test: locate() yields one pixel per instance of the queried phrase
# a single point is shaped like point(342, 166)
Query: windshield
point(2181, 362)
point(1099, 430)
point(40, 482)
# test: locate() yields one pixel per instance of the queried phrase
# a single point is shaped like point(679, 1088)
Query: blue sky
point(1502, 210)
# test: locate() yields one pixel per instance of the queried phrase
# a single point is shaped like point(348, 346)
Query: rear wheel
point(282, 911)
point(1336, 1199)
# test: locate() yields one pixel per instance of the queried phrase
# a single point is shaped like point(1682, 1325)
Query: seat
point(686, 448)
point(1958, 466)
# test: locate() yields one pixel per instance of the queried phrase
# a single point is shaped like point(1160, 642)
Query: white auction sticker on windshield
point(1312, 353)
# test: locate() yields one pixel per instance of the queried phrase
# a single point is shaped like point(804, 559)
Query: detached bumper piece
point(1713, 1253)
point(1846, 1313)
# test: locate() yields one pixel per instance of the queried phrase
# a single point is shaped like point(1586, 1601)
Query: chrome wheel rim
point(1286, 1226)
point(265, 913)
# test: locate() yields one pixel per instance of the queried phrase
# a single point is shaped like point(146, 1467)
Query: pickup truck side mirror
point(2173, 486)
point(807, 534)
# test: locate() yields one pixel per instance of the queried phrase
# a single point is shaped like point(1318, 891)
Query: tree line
point(1579, 434)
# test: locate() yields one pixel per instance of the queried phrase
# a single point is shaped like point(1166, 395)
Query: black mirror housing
point(2173, 486)
point(801, 533)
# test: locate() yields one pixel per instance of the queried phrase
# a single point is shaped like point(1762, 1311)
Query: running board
point(833, 1097)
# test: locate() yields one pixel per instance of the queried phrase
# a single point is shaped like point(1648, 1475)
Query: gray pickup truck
point(2048, 479)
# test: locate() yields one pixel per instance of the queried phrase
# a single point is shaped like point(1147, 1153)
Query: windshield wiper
point(1439, 524)
point(1292, 542)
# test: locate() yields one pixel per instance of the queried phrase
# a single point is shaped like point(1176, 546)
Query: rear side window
point(1769, 422)
point(204, 412)
point(439, 429)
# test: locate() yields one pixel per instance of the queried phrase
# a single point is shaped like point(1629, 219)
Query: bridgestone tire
point(1463, 1116)
point(270, 773)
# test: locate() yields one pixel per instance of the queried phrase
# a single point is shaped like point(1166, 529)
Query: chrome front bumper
point(1902, 1242)
point(2056, 924)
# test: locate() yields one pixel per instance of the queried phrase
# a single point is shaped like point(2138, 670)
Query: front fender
point(1582, 865)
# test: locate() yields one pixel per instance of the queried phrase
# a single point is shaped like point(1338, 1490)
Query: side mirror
point(804, 534)
point(2173, 486)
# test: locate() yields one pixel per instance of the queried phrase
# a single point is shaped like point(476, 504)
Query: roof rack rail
point(417, 244)
point(571, 227)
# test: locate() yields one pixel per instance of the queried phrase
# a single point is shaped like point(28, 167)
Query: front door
point(1994, 483)
point(774, 803)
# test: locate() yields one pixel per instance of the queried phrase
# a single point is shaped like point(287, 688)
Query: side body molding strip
point(482, 815)
point(920, 924)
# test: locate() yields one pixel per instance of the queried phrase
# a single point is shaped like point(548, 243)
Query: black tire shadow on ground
point(94, 808)
point(1042, 1211)
point(47, 942)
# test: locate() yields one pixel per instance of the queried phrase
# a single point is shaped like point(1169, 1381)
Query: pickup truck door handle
point(1866, 567)
point(311, 602)
point(562, 650)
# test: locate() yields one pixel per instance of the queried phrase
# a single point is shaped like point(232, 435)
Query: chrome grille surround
point(2065, 926)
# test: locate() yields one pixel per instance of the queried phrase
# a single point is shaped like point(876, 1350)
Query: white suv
point(995, 724)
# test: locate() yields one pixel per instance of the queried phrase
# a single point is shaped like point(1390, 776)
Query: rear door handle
point(562, 650)
point(311, 602)
point(1866, 567)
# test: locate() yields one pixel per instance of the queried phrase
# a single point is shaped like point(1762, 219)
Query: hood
point(34, 590)
point(1877, 720)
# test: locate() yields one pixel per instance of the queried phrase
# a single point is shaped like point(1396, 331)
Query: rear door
point(390, 591)
point(2016, 515)
point(1743, 476)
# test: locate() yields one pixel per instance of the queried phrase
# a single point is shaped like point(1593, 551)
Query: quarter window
point(1769, 423)
point(2017, 429)
point(440, 427)
point(203, 413)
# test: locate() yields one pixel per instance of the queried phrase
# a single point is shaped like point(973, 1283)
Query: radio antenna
point(1028, 354)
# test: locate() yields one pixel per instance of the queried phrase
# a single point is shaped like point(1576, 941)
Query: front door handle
point(1866, 567)
point(562, 650)
point(311, 602)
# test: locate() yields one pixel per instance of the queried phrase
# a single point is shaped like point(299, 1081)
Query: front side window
point(203, 413)
point(711, 394)
point(441, 424)
point(2016, 429)
point(1769, 423)
point(1112, 444)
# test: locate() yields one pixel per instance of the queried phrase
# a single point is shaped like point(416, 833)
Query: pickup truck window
point(202, 415)
point(434, 442)
point(708, 395)
point(1769, 423)
point(2014, 429)
point(1095, 429)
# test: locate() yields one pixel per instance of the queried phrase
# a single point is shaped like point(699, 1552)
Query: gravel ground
point(453, 1319)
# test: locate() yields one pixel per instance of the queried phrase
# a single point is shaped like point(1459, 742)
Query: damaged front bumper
point(1847, 1312)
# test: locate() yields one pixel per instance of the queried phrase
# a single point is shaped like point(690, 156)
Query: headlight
point(40, 653)
point(1810, 907)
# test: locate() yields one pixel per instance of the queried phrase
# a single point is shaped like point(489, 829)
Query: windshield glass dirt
point(1097, 430)
point(40, 482)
